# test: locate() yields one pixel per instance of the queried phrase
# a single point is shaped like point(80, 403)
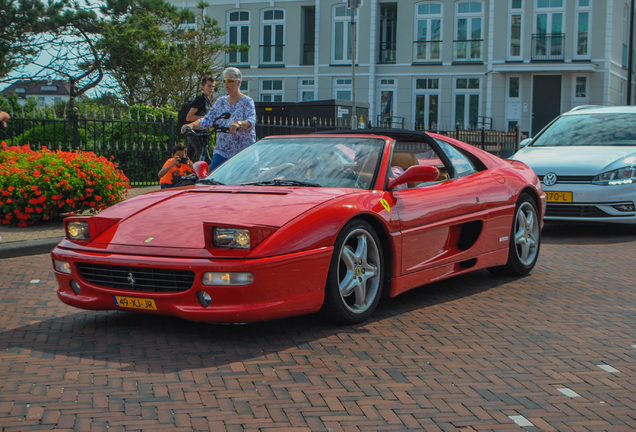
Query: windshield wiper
point(279, 182)
point(209, 182)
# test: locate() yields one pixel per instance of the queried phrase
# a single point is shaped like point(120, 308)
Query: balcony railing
point(548, 46)
point(235, 58)
point(387, 52)
point(308, 54)
point(468, 50)
point(272, 55)
point(427, 51)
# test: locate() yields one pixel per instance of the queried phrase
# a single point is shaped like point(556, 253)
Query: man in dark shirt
point(200, 107)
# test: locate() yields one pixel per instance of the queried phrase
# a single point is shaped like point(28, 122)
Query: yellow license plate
point(135, 303)
point(559, 196)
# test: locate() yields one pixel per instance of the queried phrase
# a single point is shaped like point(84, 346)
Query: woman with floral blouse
point(242, 122)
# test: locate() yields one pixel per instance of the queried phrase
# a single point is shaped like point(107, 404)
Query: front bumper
point(283, 286)
point(592, 203)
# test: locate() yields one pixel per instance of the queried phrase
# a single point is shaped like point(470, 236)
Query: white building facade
point(435, 64)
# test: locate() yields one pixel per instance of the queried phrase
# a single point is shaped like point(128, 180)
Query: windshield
point(611, 129)
point(304, 161)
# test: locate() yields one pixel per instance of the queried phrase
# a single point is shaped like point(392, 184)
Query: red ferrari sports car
point(327, 223)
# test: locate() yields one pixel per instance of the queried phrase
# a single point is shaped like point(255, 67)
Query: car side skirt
point(413, 280)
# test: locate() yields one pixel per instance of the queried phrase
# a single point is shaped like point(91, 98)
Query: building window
point(341, 34)
point(271, 91)
point(49, 88)
point(307, 42)
point(305, 90)
point(20, 89)
point(513, 102)
point(273, 37)
point(580, 87)
point(427, 95)
point(428, 32)
point(245, 87)
point(622, 94)
point(514, 36)
point(385, 103)
point(41, 100)
point(388, 32)
point(342, 88)
point(548, 29)
point(238, 32)
point(467, 94)
point(468, 44)
point(583, 13)
point(625, 35)
point(580, 92)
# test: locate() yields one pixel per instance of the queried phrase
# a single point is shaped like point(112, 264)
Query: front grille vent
point(573, 210)
point(571, 179)
point(145, 279)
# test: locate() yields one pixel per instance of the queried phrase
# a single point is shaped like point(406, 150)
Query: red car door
point(432, 219)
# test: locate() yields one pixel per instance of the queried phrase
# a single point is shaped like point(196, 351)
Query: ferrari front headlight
point(78, 230)
point(231, 238)
point(621, 176)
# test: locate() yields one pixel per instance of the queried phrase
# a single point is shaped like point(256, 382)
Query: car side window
point(409, 153)
point(462, 165)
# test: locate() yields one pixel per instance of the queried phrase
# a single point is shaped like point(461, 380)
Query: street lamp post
point(353, 5)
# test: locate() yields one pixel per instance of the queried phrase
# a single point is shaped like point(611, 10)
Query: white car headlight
point(621, 176)
point(231, 238)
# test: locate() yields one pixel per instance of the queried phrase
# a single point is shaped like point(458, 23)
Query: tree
point(144, 50)
point(56, 42)
point(159, 59)
point(21, 23)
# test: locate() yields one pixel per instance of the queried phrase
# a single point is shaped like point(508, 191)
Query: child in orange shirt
point(175, 167)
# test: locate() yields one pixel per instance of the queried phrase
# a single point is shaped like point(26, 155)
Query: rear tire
point(356, 274)
point(525, 239)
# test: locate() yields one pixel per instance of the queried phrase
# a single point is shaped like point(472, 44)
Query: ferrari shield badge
point(386, 205)
point(149, 239)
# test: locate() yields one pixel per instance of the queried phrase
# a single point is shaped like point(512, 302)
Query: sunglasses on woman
point(229, 80)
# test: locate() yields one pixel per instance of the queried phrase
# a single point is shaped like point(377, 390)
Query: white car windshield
point(607, 129)
point(304, 161)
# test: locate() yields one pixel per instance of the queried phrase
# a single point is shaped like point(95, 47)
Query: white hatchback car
point(586, 161)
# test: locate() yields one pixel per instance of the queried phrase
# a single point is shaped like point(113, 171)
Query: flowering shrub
point(39, 185)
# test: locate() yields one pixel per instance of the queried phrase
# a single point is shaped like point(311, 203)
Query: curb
point(29, 247)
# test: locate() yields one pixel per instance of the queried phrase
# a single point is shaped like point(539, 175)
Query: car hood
point(576, 160)
point(175, 218)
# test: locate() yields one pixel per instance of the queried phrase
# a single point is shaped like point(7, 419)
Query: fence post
point(171, 131)
point(517, 137)
point(483, 137)
point(315, 124)
point(75, 125)
point(457, 131)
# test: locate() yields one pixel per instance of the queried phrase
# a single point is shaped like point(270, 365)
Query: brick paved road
point(554, 351)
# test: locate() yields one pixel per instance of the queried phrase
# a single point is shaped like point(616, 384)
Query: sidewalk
point(41, 237)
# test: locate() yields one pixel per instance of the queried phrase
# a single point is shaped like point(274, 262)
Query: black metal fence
point(141, 147)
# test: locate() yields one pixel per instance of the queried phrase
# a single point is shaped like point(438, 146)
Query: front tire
point(356, 274)
point(525, 239)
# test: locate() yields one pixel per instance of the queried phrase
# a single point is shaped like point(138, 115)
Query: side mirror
point(525, 142)
point(416, 173)
point(201, 169)
point(225, 115)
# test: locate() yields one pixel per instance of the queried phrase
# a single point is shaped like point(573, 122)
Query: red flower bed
point(39, 185)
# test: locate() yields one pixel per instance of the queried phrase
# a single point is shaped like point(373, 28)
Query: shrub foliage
point(39, 185)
